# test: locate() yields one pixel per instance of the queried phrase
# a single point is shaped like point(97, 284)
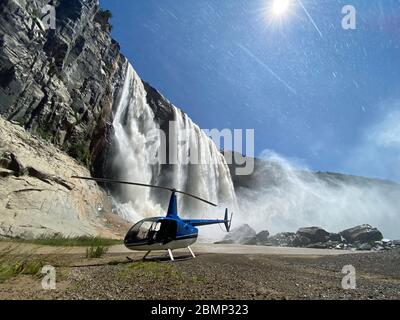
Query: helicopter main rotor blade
point(143, 185)
point(197, 198)
point(121, 182)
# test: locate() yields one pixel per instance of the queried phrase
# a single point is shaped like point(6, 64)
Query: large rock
point(335, 237)
point(319, 245)
point(365, 247)
point(284, 239)
point(300, 241)
point(260, 239)
point(240, 235)
point(314, 234)
point(263, 236)
point(363, 234)
point(396, 243)
point(37, 195)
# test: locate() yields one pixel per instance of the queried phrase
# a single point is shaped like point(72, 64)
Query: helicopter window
point(153, 230)
point(156, 226)
point(144, 230)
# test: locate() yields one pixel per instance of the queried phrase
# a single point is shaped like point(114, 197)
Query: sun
point(280, 7)
point(277, 14)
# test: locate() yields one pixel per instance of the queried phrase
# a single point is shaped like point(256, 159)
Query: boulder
point(363, 234)
point(300, 241)
point(260, 239)
point(314, 234)
point(342, 246)
point(284, 239)
point(319, 245)
point(252, 242)
point(335, 237)
point(364, 247)
point(240, 235)
point(332, 244)
point(396, 243)
point(385, 244)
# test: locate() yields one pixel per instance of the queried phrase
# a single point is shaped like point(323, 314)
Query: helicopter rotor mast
point(103, 180)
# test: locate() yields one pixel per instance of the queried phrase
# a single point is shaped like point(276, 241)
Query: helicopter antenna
point(144, 185)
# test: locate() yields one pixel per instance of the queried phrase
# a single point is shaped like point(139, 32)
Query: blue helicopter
point(165, 233)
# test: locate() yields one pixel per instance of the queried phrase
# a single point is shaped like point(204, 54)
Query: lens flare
point(280, 7)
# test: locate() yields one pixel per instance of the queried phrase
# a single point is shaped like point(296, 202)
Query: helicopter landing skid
point(172, 257)
point(145, 256)
point(169, 254)
point(191, 251)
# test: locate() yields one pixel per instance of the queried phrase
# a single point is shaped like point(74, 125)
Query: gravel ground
point(216, 276)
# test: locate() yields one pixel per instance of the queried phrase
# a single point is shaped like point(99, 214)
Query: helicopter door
point(153, 231)
point(167, 231)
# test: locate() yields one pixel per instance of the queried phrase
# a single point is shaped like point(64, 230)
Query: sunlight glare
point(280, 7)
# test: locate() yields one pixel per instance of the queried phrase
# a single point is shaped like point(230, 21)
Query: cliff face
point(38, 196)
point(59, 84)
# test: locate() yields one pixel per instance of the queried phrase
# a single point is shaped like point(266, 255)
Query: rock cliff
point(59, 83)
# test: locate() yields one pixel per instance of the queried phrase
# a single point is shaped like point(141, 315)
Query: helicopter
point(165, 233)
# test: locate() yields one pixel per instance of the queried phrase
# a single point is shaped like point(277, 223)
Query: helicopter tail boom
point(199, 223)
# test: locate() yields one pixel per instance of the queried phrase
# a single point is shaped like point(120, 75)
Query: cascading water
point(133, 118)
point(210, 177)
point(137, 144)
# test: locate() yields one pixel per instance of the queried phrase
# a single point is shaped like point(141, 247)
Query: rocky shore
point(363, 237)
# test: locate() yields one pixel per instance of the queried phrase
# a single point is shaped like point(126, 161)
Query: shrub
point(58, 240)
point(81, 152)
point(10, 269)
point(96, 252)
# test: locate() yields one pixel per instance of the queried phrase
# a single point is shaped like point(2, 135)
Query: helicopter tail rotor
point(227, 221)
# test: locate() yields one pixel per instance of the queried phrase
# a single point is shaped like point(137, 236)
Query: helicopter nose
point(127, 239)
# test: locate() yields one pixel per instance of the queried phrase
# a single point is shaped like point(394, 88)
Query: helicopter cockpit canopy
point(152, 230)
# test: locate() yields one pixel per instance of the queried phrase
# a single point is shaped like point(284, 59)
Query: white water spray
point(288, 198)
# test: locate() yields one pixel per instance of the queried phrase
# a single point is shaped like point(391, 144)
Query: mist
point(286, 196)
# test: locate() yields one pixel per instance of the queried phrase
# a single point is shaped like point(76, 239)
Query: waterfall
point(137, 143)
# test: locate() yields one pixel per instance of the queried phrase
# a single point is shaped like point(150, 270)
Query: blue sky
point(314, 92)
